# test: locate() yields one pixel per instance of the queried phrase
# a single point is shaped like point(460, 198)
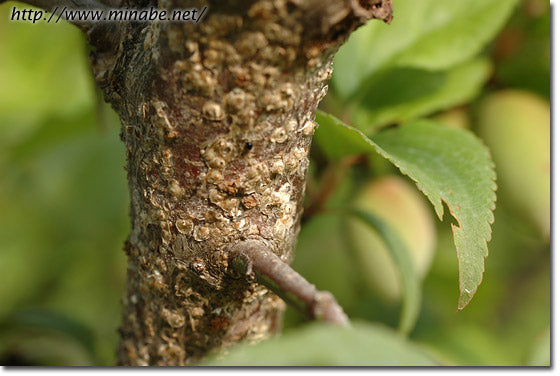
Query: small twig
point(254, 260)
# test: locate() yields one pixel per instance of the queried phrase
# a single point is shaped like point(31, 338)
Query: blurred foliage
point(64, 201)
point(424, 61)
point(320, 345)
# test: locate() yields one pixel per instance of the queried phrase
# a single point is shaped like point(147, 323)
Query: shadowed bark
point(217, 118)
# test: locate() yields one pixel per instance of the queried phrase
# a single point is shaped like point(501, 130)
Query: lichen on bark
point(217, 119)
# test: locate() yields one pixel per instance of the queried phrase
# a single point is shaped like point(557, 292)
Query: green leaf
point(455, 33)
point(453, 166)
point(47, 321)
point(403, 94)
point(338, 140)
point(449, 165)
point(326, 345)
point(465, 343)
point(403, 260)
point(427, 34)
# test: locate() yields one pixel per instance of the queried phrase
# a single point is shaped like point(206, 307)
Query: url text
point(107, 15)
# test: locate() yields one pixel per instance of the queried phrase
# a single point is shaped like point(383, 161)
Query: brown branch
point(368, 9)
point(254, 260)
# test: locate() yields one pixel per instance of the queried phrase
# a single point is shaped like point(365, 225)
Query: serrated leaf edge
point(438, 205)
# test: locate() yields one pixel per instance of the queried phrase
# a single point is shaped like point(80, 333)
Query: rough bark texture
point(217, 118)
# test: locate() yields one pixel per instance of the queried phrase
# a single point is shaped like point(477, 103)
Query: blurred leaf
point(449, 165)
point(41, 349)
point(467, 344)
point(63, 196)
point(40, 320)
point(64, 218)
point(401, 94)
point(431, 34)
point(527, 305)
point(43, 70)
point(455, 31)
point(404, 262)
point(326, 345)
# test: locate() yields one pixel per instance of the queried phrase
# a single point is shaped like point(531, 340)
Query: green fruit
point(404, 208)
point(516, 127)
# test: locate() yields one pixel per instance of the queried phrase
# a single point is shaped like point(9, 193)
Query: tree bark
point(217, 119)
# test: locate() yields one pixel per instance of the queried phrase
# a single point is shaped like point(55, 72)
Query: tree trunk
point(217, 118)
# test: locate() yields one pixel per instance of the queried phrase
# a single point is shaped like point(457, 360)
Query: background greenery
point(480, 66)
